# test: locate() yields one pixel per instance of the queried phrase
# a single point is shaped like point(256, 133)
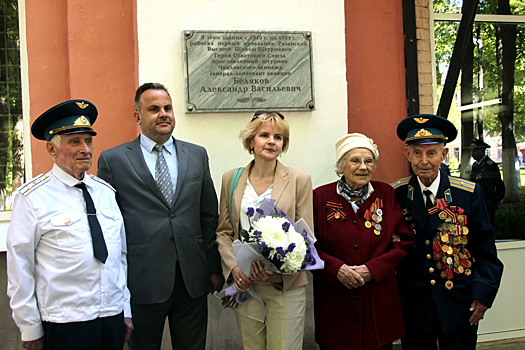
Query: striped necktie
point(162, 174)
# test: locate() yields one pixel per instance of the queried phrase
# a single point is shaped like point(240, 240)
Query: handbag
point(233, 184)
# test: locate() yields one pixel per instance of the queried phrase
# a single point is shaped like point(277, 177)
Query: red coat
point(370, 316)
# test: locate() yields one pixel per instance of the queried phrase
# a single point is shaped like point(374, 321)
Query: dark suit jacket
point(156, 233)
point(422, 286)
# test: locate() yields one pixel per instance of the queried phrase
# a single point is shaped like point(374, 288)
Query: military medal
point(449, 248)
point(375, 213)
point(449, 285)
point(368, 217)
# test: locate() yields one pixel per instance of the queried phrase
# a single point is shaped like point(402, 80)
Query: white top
point(52, 273)
point(250, 198)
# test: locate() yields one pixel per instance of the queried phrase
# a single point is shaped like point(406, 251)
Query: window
point(11, 126)
point(483, 83)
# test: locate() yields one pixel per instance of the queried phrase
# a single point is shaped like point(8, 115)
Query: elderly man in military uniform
point(66, 245)
point(451, 276)
point(486, 173)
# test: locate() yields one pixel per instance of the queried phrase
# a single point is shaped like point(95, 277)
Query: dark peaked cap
point(69, 117)
point(479, 144)
point(426, 129)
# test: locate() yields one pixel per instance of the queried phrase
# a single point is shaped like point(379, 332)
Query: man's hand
point(216, 282)
point(37, 344)
point(129, 328)
point(478, 311)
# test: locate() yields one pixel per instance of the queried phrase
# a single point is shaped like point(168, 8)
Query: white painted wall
point(313, 134)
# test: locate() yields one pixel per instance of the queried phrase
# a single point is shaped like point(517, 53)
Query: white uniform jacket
point(52, 273)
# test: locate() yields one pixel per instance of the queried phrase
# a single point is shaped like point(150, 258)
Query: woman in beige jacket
point(273, 316)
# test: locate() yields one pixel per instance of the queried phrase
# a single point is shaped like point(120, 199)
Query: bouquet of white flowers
point(280, 244)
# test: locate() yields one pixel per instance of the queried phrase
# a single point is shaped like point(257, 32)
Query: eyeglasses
point(357, 162)
point(258, 114)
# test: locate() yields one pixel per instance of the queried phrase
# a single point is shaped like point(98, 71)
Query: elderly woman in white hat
point(361, 236)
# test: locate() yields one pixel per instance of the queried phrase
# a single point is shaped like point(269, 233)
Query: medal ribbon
point(335, 211)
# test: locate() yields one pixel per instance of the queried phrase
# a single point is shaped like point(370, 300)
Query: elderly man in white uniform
point(66, 244)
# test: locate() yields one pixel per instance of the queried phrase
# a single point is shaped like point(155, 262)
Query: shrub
point(509, 218)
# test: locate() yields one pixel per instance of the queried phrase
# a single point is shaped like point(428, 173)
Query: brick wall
point(424, 56)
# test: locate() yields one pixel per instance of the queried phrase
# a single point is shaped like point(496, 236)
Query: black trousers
point(460, 339)
point(105, 333)
point(384, 347)
point(187, 319)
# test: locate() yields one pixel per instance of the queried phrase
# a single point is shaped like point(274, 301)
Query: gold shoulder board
point(32, 184)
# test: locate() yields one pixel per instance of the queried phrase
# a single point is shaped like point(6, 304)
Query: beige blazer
point(292, 191)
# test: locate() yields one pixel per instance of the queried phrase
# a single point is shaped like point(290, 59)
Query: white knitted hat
point(355, 140)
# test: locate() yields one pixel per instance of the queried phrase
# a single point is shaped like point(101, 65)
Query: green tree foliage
point(11, 150)
point(487, 73)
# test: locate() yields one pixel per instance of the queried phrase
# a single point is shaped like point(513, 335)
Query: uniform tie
point(162, 174)
point(100, 251)
point(428, 203)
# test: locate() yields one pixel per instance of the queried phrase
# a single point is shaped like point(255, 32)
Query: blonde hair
point(249, 131)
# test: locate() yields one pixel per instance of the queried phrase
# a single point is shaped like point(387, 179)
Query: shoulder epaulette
point(32, 184)
point(99, 180)
point(462, 184)
point(400, 182)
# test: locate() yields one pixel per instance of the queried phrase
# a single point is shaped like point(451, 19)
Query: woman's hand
point(241, 281)
point(364, 272)
point(349, 277)
point(261, 275)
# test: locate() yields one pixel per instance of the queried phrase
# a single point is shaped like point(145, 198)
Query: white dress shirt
point(52, 273)
point(147, 145)
point(434, 187)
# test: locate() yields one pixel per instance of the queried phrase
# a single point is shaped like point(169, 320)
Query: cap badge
point(423, 133)
point(81, 121)
point(82, 104)
point(421, 120)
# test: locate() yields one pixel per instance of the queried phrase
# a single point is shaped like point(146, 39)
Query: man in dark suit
point(486, 173)
point(169, 204)
point(451, 276)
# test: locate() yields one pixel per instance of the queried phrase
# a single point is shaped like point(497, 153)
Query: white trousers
point(283, 325)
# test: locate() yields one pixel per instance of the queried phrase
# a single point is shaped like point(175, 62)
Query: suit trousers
point(460, 339)
point(187, 319)
point(106, 333)
point(283, 327)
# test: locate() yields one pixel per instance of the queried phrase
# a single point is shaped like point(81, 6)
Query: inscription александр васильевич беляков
point(236, 71)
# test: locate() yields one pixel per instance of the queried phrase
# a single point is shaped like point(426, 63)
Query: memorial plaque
point(237, 71)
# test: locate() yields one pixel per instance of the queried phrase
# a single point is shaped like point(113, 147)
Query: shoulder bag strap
point(233, 185)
